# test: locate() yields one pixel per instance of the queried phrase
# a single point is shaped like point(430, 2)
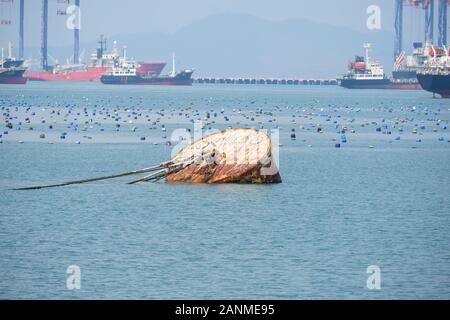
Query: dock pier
point(267, 81)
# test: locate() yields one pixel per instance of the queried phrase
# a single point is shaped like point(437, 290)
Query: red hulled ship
point(101, 63)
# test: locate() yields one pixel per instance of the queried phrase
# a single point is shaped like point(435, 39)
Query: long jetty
point(267, 81)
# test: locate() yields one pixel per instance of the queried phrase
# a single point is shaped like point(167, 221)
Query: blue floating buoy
point(398, 138)
point(378, 129)
point(142, 138)
point(441, 139)
point(337, 145)
point(77, 142)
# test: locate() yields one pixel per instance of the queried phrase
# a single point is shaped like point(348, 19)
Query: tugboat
point(436, 78)
point(125, 73)
point(12, 69)
point(365, 74)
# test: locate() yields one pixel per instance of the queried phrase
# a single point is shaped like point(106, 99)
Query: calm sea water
point(337, 211)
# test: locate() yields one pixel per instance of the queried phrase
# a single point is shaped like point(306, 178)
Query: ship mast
point(2, 57)
point(9, 50)
point(366, 58)
point(173, 64)
point(114, 49)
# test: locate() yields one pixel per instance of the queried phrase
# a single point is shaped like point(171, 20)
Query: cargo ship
point(365, 74)
point(101, 63)
point(126, 73)
point(436, 77)
point(435, 81)
point(12, 69)
point(406, 67)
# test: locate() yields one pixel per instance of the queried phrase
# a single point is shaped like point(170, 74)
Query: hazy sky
point(111, 17)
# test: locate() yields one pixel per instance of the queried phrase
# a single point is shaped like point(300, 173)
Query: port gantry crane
point(428, 7)
point(44, 31)
point(6, 9)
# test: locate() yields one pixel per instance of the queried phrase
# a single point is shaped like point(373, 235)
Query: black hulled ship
point(125, 73)
point(435, 77)
point(365, 74)
point(436, 81)
point(12, 69)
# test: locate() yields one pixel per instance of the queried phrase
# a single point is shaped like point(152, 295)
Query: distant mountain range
point(244, 45)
